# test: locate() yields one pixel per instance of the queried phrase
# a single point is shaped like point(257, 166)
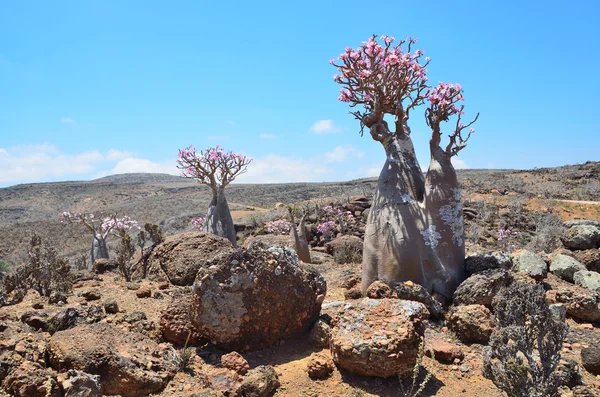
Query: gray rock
point(565, 267)
point(582, 237)
point(81, 384)
point(471, 323)
point(529, 263)
point(581, 303)
point(415, 292)
point(588, 279)
point(262, 381)
point(481, 288)
point(558, 311)
point(111, 306)
point(476, 263)
point(320, 334)
point(590, 359)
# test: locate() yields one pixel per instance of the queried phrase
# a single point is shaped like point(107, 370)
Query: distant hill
point(141, 178)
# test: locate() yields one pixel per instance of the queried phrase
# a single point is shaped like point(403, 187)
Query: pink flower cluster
point(505, 233)
point(198, 223)
point(337, 213)
point(280, 226)
point(104, 226)
point(119, 224)
point(212, 165)
point(444, 98)
point(380, 76)
point(326, 229)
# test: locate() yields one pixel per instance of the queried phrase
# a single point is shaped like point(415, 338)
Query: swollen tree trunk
point(99, 250)
point(300, 241)
point(444, 213)
point(414, 229)
point(218, 219)
point(394, 249)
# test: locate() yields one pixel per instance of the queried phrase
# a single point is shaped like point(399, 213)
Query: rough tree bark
point(218, 218)
point(300, 240)
point(99, 250)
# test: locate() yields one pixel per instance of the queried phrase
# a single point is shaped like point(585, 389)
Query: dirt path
point(580, 202)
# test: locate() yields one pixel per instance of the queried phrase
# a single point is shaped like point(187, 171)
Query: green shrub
point(347, 254)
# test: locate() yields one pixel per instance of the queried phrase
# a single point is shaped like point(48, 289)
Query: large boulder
point(180, 256)
point(378, 337)
point(128, 363)
point(254, 297)
point(565, 267)
point(482, 287)
point(582, 235)
point(479, 262)
point(471, 323)
point(587, 279)
point(531, 264)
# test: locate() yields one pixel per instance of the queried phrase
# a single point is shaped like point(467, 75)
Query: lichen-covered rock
point(378, 337)
point(479, 262)
point(414, 292)
point(482, 287)
point(179, 257)
point(319, 366)
point(262, 381)
point(531, 264)
point(320, 334)
point(252, 298)
point(582, 235)
point(588, 279)
point(471, 323)
point(128, 363)
point(565, 267)
point(176, 324)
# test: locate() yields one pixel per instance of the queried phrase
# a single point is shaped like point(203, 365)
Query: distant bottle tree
point(215, 168)
point(100, 227)
point(415, 227)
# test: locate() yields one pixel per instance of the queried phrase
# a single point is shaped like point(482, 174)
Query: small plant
point(153, 233)
point(524, 351)
point(347, 254)
point(507, 239)
point(198, 223)
point(4, 267)
point(125, 251)
point(327, 229)
point(279, 226)
point(182, 359)
point(44, 271)
point(415, 388)
point(549, 229)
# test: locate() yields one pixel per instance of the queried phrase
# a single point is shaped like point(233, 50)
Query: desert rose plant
point(100, 227)
point(415, 227)
point(215, 168)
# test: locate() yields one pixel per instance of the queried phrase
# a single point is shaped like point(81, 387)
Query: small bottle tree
point(415, 226)
point(215, 168)
point(100, 227)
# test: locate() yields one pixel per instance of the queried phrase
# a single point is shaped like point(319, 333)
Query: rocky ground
point(212, 321)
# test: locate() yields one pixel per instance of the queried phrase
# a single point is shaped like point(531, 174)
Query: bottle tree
point(415, 226)
point(100, 227)
point(215, 168)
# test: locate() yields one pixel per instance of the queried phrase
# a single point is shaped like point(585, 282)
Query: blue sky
point(91, 88)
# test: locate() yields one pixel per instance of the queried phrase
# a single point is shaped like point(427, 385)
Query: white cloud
point(341, 153)
point(324, 127)
point(135, 165)
point(280, 169)
point(67, 120)
point(267, 136)
point(44, 163)
point(459, 164)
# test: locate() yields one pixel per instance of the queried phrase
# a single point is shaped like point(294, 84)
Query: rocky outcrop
point(252, 298)
point(176, 324)
point(582, 235)
point(580, 302)
point(531, 264)
point(378, 337)
point(587, 279)
point(179, 257)
point(269, 240)
point(128, 363)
